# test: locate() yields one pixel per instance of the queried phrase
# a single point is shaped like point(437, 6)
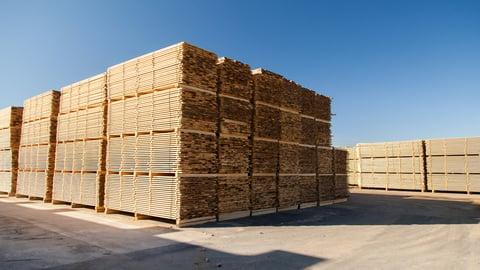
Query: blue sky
point(396, 70)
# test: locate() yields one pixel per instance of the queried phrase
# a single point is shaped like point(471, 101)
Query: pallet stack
point(453, 164)
point(393, 165)
point(81, 143)
point(37, 146)
point(10, 130)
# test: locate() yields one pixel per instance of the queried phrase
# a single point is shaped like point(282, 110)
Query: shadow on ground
point(51, 238)
point(47, 239)
point(369, 209)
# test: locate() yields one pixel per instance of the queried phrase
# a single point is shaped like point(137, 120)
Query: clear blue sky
point(397, 70)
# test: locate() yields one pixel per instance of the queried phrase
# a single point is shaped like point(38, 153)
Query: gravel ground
point(373, 230)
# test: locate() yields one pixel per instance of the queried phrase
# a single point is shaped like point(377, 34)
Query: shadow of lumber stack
point(80, 158)
point(37, 146)
point(10, 131)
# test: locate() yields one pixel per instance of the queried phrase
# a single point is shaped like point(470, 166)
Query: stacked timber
point(435, 164)
point(266, 142)
point(193, 138)
point(80, 158)
point(292, 157)
point(340, 165)
point(37, 146)
point(181, 135)
point(143, 115)
point(392, 165)
point(453, 164)
point(326, 177)
point(234, 96)
point(162, 134)
point(10, 131)
point(198, 155)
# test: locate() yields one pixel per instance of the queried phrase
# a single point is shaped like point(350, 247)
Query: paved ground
point(374, 230)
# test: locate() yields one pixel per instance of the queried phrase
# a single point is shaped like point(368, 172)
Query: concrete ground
point(373, 230)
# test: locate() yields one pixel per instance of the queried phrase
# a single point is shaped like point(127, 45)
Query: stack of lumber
point(390, 165)
point(177, 134)
point(234, 96)
point(326, 178)
point(80, 158)
point(453, 164)
point(195, 138)
point(340, 159)
point(162, 124)
point(292, 157)
point(37, 146)
point(436, 165)
point(10, 130)
point(197, 166)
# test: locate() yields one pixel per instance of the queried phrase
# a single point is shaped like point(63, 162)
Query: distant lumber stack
point(448, 165)
point(10, 130)
point(392, 165)
point(453, 164)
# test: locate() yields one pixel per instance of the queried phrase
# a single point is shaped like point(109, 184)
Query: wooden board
point(288, 191)
point(454, 164)
point(264, 191)
point(306, 159)
point(87, 93)
point(290, 127)
point(198, 197)
point(453, 146)
point(233, 194)
point(265, 156)
point(198, 153)
point(288, 158)
point(267, 122)
point(392, 165)
point(392, 149)
point(233, 154)
point(454, 182)
point(199, 110)
point(308, 189)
